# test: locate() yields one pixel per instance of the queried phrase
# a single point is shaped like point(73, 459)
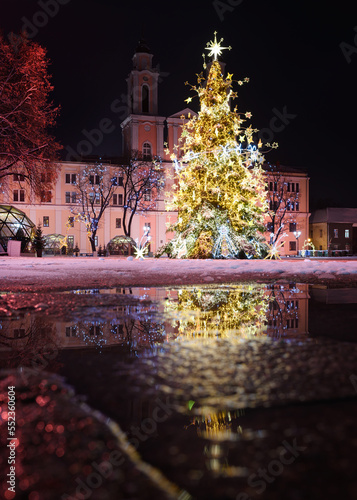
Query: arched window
point(147, 151)
point(145, 99)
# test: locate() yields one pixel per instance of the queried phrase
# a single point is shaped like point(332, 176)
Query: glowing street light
point(297, 235)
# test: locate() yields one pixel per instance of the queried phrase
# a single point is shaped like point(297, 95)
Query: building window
point(118, 199)
point(297, 206)
point(46, 221)
point(70, 239)
point(117, 181)
point(118, 223)
point(71, 178)
point(335, 233)
point(71, 330)
point(94, 198)
point(46, 196)
point(292, 227)
point(95, 330)
point(145, 99)
point(320, 233)
point(147, 194)
point(71, 197)
point(96, 241)
point(94, 179)
point(270, 227)
point(46, 177)
point(19, 195)
point(347, 233)
point(70, 222)
point(147, 151)
point(292, 246)
point(297, 185)
point(19, 177)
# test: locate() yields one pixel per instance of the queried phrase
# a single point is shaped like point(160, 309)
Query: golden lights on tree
point(220, 192)
point(223, 312)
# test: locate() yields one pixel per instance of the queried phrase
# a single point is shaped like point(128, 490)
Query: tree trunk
point(92, 241)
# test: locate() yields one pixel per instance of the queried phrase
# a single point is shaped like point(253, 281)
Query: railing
point(324, 253)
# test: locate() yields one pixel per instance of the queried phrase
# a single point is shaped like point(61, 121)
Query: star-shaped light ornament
point(216, 47)
point(141, 252)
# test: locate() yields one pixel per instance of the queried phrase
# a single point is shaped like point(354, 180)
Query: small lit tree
point(283, 202)
point(95, 187)
point(142, 184)
point(38, 241)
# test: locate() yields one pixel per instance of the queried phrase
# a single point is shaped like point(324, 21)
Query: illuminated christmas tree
point(220, 195)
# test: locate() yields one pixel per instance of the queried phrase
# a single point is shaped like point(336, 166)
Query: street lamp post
point(297, 235)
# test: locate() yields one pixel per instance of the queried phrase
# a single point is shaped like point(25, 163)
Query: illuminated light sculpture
point(220, 190)
point(274, 248)
point(224, 245)
point(308, 245)
point(142, 247)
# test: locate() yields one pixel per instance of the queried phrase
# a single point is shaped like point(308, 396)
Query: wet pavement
point(212, 392)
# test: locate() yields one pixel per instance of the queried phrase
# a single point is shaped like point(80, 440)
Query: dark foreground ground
point(220, 419)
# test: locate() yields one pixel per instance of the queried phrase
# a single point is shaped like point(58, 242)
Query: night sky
point(290, 50)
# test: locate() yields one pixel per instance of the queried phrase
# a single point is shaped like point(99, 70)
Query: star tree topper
point(216, 47)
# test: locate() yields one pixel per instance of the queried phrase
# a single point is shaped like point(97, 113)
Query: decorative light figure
point(142, 248)
point(229, 250)
point(274, 248)
point(215, 47)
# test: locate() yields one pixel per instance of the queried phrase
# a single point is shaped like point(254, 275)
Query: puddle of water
point(211, 384)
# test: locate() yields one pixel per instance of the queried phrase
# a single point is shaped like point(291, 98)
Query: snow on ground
point(61, 273)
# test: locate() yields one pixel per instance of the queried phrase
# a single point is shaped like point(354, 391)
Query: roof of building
point(143, 47)
point(278, 168)
point(336, 215)
point(187, 113)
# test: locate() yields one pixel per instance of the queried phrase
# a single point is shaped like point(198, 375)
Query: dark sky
point(290, 50)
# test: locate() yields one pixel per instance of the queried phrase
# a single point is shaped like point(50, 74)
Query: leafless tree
point(143, 181)
point(95, 187)
point(283, 199)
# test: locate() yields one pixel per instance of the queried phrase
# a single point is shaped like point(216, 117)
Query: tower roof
point(143, 47)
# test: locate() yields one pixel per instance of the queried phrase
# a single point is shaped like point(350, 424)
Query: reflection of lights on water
point(151, 320)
